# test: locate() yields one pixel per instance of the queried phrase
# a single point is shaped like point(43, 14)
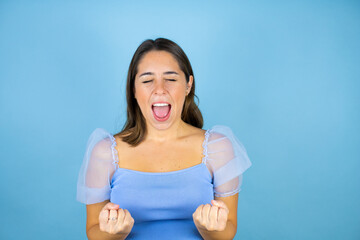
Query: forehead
point(158, 60)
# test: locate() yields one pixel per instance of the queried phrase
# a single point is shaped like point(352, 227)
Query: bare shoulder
point(196, 132)
point(120, 144)
point(192, 137)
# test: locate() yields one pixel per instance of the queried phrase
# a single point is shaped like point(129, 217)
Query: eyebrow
point(151, 73)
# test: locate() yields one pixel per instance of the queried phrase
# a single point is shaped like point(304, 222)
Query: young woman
point(162, 176)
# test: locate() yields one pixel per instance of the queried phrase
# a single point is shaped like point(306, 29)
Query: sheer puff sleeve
point(98, 166)
point(227, 158)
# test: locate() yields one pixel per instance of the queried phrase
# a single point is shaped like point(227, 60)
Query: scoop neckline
point(203, 160)
point(162, 173)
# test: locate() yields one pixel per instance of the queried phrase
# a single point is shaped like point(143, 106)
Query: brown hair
point(134, 130)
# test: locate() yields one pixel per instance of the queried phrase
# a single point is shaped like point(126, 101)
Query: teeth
point(160, 104)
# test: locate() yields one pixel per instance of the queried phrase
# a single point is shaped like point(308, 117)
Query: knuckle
point(112, 230)
point(121, 227)
point(102, 228)
point(222, 227)
point(128, 213)
point(127, 223)
point(118, 230)
point(211, 227)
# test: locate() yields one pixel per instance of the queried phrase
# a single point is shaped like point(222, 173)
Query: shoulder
point(222, 135)
point(222, 139)
point(224, 147)
point(197, 133)
point(99, 143)
point(194, 136)
point(220, 130)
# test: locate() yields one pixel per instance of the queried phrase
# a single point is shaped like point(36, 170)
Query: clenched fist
point(211, 218)
point(115, 220)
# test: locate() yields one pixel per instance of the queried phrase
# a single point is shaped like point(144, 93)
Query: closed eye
point(172, 80)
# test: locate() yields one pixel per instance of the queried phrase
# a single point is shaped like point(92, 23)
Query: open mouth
point(161, 111)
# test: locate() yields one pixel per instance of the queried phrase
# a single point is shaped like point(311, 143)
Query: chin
point(162, 125)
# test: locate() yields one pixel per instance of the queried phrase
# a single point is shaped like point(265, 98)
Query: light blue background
point(284, 75)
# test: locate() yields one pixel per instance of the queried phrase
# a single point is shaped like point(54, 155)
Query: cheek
point(141, 98)
point(179, 97)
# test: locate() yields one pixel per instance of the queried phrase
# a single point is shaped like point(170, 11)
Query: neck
point(174, 132)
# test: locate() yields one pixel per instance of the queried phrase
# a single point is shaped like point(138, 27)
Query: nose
point(159, 87)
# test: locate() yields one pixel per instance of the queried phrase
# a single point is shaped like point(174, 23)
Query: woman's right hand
point(115, 220)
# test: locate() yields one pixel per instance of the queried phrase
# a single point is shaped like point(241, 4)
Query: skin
point(158, 86)
point(153, 83)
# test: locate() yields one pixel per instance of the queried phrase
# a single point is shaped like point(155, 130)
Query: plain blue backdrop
point(284, 75)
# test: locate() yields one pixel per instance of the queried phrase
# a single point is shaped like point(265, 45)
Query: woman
point(162, 176)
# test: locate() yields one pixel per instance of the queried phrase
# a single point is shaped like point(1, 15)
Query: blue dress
point(162, 203)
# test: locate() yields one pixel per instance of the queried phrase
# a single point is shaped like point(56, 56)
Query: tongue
point(161, 111)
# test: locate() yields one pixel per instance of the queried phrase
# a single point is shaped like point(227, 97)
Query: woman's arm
point(93, 231)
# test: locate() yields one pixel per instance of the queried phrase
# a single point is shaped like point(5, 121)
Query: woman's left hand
point(211, 218)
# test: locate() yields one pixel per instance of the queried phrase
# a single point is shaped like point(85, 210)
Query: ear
point(189, 84)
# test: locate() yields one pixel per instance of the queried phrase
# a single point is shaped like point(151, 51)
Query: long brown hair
point(134, 129)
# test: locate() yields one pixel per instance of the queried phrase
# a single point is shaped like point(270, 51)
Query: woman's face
point(160, 81)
